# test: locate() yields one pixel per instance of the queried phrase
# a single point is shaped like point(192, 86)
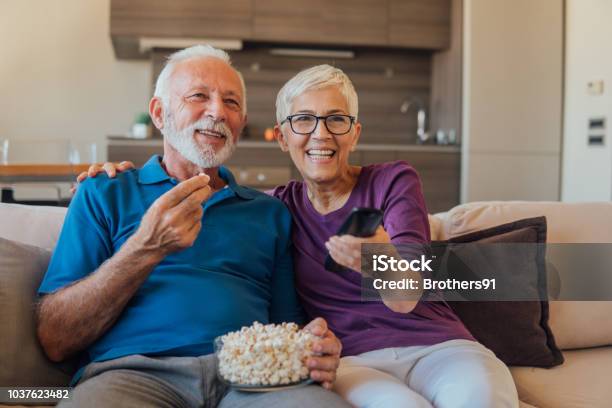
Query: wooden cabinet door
point(440, 177)
point(354, 22)
point(420, 23)
point(182, 18)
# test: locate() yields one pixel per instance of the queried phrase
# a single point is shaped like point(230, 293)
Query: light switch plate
point(595, 87)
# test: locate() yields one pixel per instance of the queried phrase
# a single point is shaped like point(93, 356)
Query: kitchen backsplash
point(384, 79)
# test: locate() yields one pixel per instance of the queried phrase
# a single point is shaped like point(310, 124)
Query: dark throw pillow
point(516, 331)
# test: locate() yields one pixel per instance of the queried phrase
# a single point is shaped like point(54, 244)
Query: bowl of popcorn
point(264, 357)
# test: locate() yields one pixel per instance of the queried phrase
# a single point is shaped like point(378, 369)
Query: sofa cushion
point(583, 324)
point(33, 225)
point(23, 361)
point(567, 222)
point(516, 331)
point(570, 321)
point(582, 381)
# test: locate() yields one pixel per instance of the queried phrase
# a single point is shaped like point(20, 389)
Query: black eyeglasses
point(305, 124)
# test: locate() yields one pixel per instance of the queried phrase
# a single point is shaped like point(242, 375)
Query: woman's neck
point(329, 196)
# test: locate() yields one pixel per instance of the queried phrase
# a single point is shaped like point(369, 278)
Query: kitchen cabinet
point(420, 23)
point(134, 19)
point(182, 18)
point(423, 24)
point(440, 176)
point(353, 22)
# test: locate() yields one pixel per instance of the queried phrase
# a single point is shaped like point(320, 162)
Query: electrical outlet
point(597, 123)
point(596, 140)
point(596, 132)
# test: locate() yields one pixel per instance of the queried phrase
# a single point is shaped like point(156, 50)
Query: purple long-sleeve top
point(363, 326)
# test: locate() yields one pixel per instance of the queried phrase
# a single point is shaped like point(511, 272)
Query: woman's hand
point(323, 366)
point(110, 168)
point(346, 249)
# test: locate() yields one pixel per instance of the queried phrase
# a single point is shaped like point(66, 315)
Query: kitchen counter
point(10, 173)
point(382, 147)
point(263, 165)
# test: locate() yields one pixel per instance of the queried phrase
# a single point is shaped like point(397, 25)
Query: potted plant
point(141, 129)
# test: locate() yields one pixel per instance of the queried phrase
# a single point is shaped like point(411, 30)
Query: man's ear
point(156, 111)
point(280, 138)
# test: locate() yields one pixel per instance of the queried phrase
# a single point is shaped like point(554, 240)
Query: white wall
point(59, 78)
point(587, 170)
point(512, 99)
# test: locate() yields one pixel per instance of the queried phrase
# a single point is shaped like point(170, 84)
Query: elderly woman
point(395, 353)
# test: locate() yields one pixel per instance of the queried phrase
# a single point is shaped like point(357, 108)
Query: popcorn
point(265, 354)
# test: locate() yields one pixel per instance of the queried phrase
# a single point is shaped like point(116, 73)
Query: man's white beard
point(202, 155)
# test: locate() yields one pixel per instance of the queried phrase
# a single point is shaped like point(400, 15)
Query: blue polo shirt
point(239, 269)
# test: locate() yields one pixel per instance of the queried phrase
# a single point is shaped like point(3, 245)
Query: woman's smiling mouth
point(320, 155)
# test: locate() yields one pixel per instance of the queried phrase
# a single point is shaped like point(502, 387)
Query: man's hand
point(173, 222)
point(346, 249)
point(323, 366)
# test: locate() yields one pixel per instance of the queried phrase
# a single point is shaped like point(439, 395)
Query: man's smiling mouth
point(211, 133)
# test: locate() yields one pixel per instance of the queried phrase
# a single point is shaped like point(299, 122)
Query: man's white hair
point(162, 86)
point(317, 77)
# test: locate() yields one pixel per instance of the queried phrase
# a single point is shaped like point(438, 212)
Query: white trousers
point(455, 373)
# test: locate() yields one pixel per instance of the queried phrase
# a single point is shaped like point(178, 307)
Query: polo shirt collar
point(239, 190)
point(152, 172)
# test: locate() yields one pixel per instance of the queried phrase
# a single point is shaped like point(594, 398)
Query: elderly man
point(151, 266)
